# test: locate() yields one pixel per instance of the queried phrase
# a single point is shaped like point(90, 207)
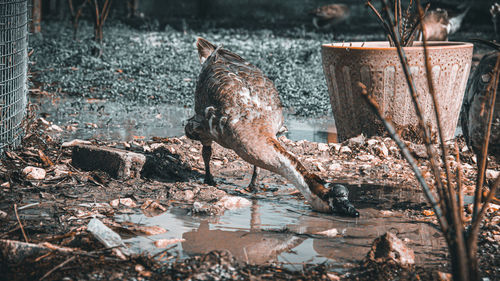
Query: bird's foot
point(210, 180)
point(252, 188)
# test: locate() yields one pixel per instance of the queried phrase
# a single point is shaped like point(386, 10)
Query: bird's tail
point(205, 49)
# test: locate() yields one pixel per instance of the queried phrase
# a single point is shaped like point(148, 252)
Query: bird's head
point(335, 196)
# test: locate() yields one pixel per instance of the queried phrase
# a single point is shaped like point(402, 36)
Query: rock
point(381, 150)
point(335, 146)
point(371, 142)
point(418, 150)
point(118, 163)
point(323, 147)
point(389, 248)
point(153, 205)
point(366, 157)
point(75, 142)
point(3, 215)
point(332, 276)
point(108, 238)
point(356, 142)
point(442, 276)
point(123, 201)
point(163, 243)
point(329, 232)
point(148, 230)
point(233, 202)
point(492, 174)
point(335, 167)
point(345, 149)
point(34, 173)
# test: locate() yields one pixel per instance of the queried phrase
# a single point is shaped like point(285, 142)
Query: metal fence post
point(13, 70)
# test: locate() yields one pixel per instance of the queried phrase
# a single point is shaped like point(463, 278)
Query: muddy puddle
point(278, 227)
point(87, 118)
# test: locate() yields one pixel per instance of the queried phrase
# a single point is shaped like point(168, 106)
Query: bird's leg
point(207, 153)
point(253, 187)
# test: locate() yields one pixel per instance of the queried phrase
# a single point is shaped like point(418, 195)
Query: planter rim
point(384, 45)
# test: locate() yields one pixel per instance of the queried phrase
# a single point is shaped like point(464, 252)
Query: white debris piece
point(163, 243)
point(233, 202)
point(74, 142)
point(329, 232)
point(108, 237)
point(34, 173)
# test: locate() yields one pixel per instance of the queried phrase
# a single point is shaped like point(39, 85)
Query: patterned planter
point(377, 66)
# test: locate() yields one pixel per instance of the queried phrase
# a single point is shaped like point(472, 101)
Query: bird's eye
point(486, 78)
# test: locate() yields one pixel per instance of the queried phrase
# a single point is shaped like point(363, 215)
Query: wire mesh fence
point(13, 70)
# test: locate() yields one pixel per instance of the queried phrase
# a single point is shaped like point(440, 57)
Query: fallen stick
point(57, 267)
point(20, 224)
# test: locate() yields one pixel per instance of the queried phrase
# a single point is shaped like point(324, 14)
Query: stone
point(323, 147)
point(163, 243)
point(123, 201)
point(3, 215)
point(366, 157)
point(335, 146)
point(356, 142)
point(233, 202)
point(34, 173)
point(118, 163)
point(329, 232)
point(75, 142)
point(492, 174)
point(389, 248)
point(442, 276)
point(335, 167)
point(381, 150)
point(345, 149)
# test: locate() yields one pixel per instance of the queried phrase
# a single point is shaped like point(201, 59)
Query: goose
point(473, 117)
point(238, 107)
point(443, 19)
point(329, 15)
point(495, 11)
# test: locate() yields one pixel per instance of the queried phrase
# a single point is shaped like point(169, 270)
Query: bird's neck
point(293, 170)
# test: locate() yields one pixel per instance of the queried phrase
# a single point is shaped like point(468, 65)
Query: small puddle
point(279, 228)
point(120, 121)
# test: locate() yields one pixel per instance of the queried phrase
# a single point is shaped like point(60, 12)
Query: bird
point(474, 116)
point(238, 107)
point(442, 20)
point(495, 11)
point(328, 16)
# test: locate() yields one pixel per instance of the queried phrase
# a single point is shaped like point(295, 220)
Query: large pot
point(377, 66)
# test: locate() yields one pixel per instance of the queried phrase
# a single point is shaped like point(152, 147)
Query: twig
point(450, 198)
point(57, 267)
point(20, 224)
point(459, 183)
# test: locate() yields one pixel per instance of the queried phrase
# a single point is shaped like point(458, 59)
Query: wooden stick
point(20, 224)
point(58, 266)
point(459, 184)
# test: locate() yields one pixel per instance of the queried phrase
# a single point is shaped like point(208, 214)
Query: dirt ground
point(55, 211)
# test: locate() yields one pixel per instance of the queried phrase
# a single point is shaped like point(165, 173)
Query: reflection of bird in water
point(443, 19)
point(475, 114)
point(328, 16)
point(238, 107)
point(255, 247)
